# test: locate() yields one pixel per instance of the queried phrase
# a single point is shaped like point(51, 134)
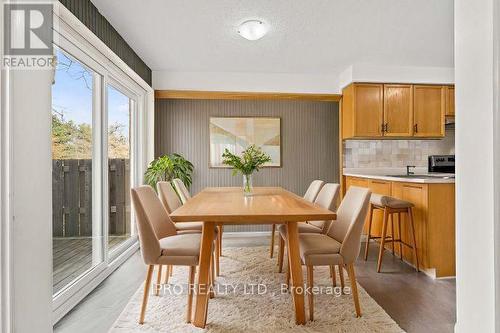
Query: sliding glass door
point(94, 121)
point(119, 117)
point(73, 172)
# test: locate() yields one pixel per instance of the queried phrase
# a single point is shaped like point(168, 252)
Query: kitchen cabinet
point(362, 107)
point(374, 111)
point(450, 101)
point(434, 217)
point(428, 110)
point(398, 110)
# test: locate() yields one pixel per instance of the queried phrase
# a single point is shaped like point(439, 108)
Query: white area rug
point(243, 311)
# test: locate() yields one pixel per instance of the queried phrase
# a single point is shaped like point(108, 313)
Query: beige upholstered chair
point(310, 195)
point(171, 202)
point(181, 190)
point(340, 245)
point(185, 196)
point(326, 198)
point(161, 244)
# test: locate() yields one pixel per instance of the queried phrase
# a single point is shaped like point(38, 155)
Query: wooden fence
point(72, 197)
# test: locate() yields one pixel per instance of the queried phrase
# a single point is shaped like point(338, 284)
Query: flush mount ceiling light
point(252, 29)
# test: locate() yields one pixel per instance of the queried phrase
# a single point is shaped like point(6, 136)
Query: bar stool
point(391, 206)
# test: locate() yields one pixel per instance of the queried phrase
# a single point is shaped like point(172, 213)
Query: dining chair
point(182, 190)
point(340, 245)
point(184, 195)
point(326, 198)
point(310, 195)
point(171, 202)
point(161, 244)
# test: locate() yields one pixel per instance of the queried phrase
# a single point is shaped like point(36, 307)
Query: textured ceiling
point(314, 36)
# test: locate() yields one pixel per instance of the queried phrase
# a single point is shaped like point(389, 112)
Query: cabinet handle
point(382, 128)
point(416, 128)
point(387, 127)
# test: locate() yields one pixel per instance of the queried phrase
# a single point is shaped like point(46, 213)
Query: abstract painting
point(237, 133)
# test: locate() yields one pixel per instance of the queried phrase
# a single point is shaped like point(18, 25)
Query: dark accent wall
point(309, 137)
point(90, 16)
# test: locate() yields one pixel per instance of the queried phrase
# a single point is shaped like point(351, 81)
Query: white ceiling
point(311, 37)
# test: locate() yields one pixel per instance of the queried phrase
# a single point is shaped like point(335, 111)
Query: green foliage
point(74, 141)
point(251, 160)
point(167, 168)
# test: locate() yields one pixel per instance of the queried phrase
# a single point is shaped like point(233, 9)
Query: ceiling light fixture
point(252, 29)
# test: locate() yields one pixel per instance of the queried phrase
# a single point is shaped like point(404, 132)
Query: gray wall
point(88, 14)
point(309, 137)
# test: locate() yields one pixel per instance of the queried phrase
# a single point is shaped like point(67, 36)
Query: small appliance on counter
point(442, 163)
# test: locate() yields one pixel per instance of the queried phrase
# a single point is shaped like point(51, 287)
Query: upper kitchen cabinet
point(450, 101)
point(398, 110)
point(429, 104)
point(362, 110)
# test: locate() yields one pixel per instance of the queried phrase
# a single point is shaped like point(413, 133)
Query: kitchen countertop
point(398, 175)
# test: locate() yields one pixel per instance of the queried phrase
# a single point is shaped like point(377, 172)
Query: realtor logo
point(28, 35)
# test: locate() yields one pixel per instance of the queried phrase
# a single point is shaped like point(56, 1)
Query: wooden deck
point(72, 256)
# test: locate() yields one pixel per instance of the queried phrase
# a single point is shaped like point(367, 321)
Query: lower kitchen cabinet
point(434, 216)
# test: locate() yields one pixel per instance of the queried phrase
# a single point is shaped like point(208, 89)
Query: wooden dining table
point(266, 205)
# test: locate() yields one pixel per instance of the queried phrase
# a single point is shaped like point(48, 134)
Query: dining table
point(265, 205)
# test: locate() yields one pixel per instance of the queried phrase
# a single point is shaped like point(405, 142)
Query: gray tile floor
point(416, 302)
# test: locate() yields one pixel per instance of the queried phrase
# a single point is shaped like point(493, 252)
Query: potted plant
point(250, 161)
point(167, 168)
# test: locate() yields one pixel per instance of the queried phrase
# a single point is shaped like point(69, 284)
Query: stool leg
point(392, 232)
point(400, 237)
point(382, 240)
point(281, 253)
point(370, 214)
point(414, 240)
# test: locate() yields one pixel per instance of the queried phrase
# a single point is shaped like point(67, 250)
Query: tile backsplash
point(395, 153)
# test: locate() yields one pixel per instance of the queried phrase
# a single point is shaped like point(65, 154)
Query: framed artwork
point(237, 133)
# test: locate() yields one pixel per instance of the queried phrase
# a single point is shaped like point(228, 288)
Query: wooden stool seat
point(391, 206)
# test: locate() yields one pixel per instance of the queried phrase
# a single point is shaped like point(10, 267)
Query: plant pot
point(247, 185)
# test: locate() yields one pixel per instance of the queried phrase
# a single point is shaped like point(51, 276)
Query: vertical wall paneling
point(88, 14)
point(309, 135)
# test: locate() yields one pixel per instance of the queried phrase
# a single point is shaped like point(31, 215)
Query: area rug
point(251, 298)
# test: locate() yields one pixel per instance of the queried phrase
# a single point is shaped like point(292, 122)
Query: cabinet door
point(450, 101)
point(428, 110)
point(384, 188)
point(418, 195)
point(368, 110)
point(398, 110)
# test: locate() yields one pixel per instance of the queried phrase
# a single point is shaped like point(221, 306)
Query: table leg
point(201, 306)
point(297, 286)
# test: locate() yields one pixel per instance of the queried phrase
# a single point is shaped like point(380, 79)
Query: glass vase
point(247, 185)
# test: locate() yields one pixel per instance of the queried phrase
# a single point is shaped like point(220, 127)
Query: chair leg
point(171, 270)
point(217, 257)
point(341, 275)
point(167, 274)
point(400, 237)
point(220, 228)
point(382, 240)
point(288, 273)
point(392, 232)
point(158, 280)
point(333, 275)
point(370, 214)
point(192, 271)
point(271, 250)
point(414, 240)
point(354, 289)
point(147, 283)
point(212, 275)
point(281, 253)
point(310, 296)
